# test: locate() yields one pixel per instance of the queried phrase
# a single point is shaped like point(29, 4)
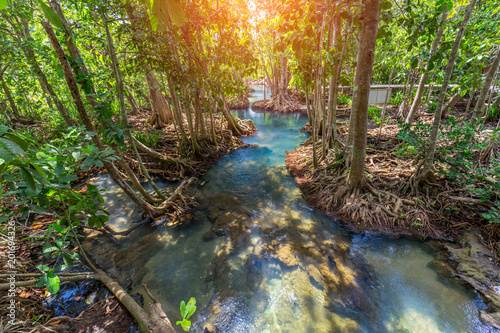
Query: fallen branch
point(472, 201)
point(30, 283)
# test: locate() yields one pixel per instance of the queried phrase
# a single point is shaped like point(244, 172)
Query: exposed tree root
point(288, 106)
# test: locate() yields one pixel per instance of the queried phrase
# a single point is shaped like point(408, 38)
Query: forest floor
point(388, 169)
point(90, 313)
point(444, 210)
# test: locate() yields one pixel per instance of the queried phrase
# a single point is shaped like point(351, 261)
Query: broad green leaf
point(3, 128)
point(5, 155)
point(13, 147)
point(53, 283)
point(68, 178)
point(17, 139)
point(43, 268)
point(51, 15)
point(28, 178)
point(3, 4)
point(191, 311)
point(164, 10)
point(50, 249)
point(58, 170)
point(42, 281)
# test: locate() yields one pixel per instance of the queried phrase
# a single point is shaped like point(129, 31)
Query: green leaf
point(414, 63)
point(58, 170)
point(28, 178)
point(191, 311)
point(43, 268)
point(163, 10)
point(5, 155)
point(3, 128)
point(51, 15)
point(50, 249)
point(53, 283)
point(12, 146)
point(3, 4)
point(183, 309)
point(186, 325)
point(68, 178)
point(17, 139)
point(41, 281)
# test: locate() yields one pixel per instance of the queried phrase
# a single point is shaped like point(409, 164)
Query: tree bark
point(133, 103)
point(429, 159)
point(74, 52)
point(425, 74)
point(479, 108)
point(361, 91)
point(451, 102)
point(44, 83)
point(73, 87)
point(12, 103)
point(159, 104)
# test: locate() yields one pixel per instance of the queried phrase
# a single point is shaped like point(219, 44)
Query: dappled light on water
point(259, 259)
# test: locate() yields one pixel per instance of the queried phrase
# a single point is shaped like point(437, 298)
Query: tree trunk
point(478, 109)
point(361, 91)
point(74, 52)
point(160, 106)
point(75, 93)
point(451, 102)
point(429, 159)
point(133, 103)
point(12, 103)
point(44, 83)
point(425, 74)
point(387, 99)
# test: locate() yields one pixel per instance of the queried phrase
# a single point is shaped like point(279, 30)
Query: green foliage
point(150, 139)
point(374, 113)
point(40, 178)
point(344, 100)
point(51, 15)
point(187, 311)
point(456, 157)
point(396, 98)
point(493, 214)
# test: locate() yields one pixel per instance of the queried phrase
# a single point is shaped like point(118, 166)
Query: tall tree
point(425, 74)
point(361, 92)
point(427, 170)
point(478, 109)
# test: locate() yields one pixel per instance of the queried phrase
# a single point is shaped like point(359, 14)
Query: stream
point(259, 259)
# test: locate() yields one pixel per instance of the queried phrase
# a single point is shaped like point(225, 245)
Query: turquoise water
point(273, 264)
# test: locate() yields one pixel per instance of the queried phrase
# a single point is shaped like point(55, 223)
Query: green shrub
point(150, 139)
point(456, 158)
point(374, 113)
point(344, 100)
point(396, 98)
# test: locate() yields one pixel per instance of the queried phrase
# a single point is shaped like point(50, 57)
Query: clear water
point(283, 267)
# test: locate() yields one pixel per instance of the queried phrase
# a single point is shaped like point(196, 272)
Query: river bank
point(386, 208)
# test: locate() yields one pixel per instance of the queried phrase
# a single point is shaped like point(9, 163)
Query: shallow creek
point(259, 259)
